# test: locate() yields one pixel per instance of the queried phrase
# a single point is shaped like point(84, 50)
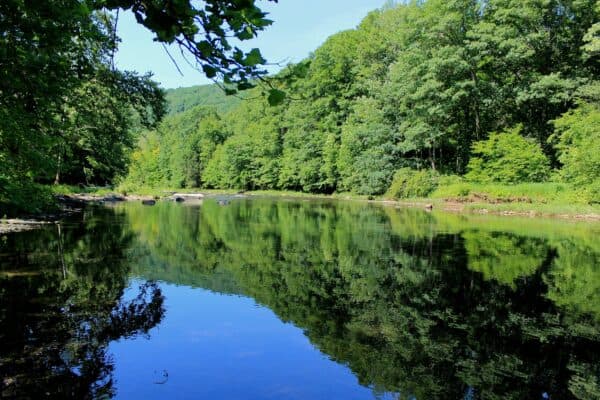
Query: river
point(299, 299)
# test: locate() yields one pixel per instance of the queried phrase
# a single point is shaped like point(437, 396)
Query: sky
point(300, 26)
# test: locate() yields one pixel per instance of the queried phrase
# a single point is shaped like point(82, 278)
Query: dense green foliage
point(190, 137)
point(183, 99)
point(64, 112)
point(417, 85)
point(507, 157)
point(409, 183)
point(578, 144)
point(67, 115)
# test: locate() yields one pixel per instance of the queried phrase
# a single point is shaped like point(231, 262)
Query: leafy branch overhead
point(206, 32)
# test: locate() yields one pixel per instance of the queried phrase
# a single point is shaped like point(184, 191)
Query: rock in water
point(113, 198)
point(196, 196)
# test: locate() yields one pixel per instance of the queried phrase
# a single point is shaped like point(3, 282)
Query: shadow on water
point(422, 305)
point(61, 305)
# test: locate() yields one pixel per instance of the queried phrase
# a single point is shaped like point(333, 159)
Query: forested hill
point(417, 96)
point(182, 99)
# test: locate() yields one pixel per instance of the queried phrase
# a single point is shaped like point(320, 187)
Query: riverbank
point(62, 208)
point(474, 203)
point(19, 225)
point(571, 212)
point(73, 199)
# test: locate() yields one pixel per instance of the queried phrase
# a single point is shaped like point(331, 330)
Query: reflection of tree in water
point(574, 282)
point(504, 257)
point(61, 303)
point(409, 310)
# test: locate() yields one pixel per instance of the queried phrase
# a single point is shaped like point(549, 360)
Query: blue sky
point(300, 27)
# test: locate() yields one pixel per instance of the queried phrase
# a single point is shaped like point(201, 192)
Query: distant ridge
point(182, 99)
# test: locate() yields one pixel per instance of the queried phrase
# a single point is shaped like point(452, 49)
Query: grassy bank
point(542, 193)
point(547, 199)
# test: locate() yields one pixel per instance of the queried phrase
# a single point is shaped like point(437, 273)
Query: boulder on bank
point(70, 201)
point(192, 198)
point(186, 196)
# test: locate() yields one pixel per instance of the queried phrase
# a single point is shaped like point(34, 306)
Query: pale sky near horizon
point(299, 27)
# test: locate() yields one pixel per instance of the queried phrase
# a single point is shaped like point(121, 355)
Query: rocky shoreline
point(20, 225)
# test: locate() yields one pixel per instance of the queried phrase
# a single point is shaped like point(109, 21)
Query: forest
point(422, 97)
point(68, 115)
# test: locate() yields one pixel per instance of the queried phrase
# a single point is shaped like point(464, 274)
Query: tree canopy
point(420, 85)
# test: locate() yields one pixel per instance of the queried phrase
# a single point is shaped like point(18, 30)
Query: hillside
point(182, 99)
point(420, 96)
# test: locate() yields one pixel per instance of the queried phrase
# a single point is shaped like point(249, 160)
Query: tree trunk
point(476, 108)
point(57, 176)
point(432, 157)
point(60, 253)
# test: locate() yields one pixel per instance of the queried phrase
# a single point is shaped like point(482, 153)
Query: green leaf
point(276, 97)
point(205, 48)
point(246, 34)
point(210, 71)
point(254, 58)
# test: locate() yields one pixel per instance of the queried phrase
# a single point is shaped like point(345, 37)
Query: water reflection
point(422, 305)
point(61, 305)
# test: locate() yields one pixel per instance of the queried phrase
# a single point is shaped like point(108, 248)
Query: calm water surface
point(286, 299)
